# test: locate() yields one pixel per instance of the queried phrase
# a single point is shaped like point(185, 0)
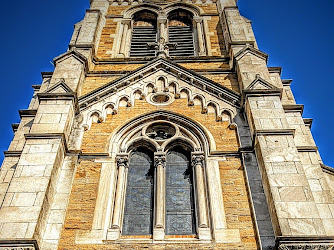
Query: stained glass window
point(179, 195)
point(138, 214)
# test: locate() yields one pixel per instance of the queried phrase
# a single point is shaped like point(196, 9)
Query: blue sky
point(297, 35)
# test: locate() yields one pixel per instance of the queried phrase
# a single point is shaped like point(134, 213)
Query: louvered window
point(180, 31)
point(141, 37)
point(183, 37)
point(144, 32)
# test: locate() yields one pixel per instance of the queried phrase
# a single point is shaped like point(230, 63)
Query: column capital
point(162, 19)
point(198, 19)
point(197, 159)
point(126, 21)
point(122, 161)
point(159, 159)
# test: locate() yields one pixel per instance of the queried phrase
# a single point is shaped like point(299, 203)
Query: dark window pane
point(179, 195)
point(139, 196)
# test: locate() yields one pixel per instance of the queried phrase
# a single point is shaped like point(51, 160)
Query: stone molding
point(12, 153)
point(61, 96)
point(15, 126)
point(250, 49)
point(18, 245)
point(308, 122)
point(294, 108)
point(72, 52)
point(306, 247)
point(27, 113)
point(305, 243)
point(191, 77)
point(261, 81)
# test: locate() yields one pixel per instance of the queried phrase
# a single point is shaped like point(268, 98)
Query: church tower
point(162, 127)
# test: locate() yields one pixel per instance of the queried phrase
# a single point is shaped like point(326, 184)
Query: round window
point(160, 98)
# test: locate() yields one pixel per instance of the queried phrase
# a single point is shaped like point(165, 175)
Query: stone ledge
point(294, 108)
point(60, 96)
point(27, 113)
point(286, 82)
point(18, 245)
point(274, 132)
point(307, 148)
point(308, 122)
point(11, 153)
point(300, 243)
point(275, 70)
point(15, 126)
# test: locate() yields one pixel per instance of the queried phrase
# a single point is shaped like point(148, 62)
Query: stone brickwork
point(259, 181)
point(96, 139)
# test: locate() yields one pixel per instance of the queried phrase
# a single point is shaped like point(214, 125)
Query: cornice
point(275, 70)
point(327, 169)
point(294, 108)
point(60, 96)
point(308, 122)
point(304, 242)
point(12, 153)
point(193, 78)
point(72, 52)
point(250, 49)
point(135, 60)
point(287, 82)
point(46, 74)
point(36, 87)
point(307, 148)
point(27, 113)
point(19, 244)
point(258, 93)
point(15, 126)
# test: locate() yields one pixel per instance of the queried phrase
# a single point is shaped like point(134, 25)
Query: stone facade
point(258, 180)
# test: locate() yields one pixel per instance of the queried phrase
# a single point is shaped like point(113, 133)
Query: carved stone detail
point(160, 160)
point(17, 248)
point(306, 247)
point(197, 160)
point(122, 161)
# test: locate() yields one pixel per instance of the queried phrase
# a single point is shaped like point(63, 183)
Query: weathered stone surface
point(262, 176)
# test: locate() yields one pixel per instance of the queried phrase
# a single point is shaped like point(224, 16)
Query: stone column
point(201, 46)
point(203, 223)
point(126, 26)
point(122, 164)
point(162, 21)
point(159, 223)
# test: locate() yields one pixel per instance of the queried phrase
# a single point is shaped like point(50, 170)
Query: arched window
point(180, 31)
point(180, 206)
point(160, 188)
point(138, 211)
point(144, 32)
point(176, 30)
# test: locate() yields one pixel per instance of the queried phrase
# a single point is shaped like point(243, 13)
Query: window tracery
point(175, 134)
point(175, 173)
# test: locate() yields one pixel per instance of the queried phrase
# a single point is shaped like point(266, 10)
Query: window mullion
point(202, 213)
point(159, 222)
